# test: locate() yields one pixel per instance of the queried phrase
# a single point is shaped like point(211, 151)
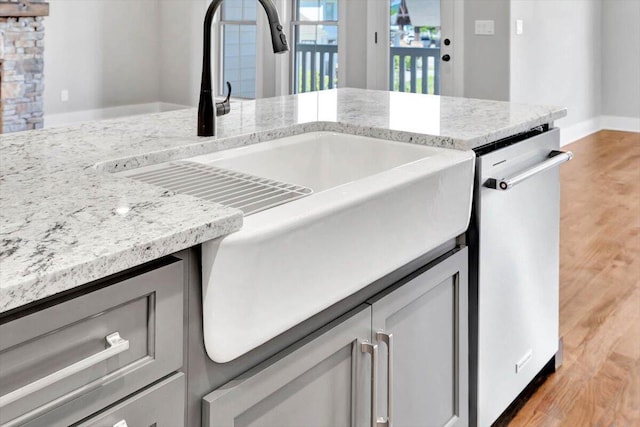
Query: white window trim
point(342, 50)
point(282, 71)
point(220, 85)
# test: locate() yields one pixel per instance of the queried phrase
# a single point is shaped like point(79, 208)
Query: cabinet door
point(427, 318)
point(325, 382)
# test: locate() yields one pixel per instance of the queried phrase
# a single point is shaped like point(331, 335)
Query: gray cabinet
point(338, 379)
point(325, 382)
point(66, 361)
point(158, 406)
point(426, 318)
point(61, 364)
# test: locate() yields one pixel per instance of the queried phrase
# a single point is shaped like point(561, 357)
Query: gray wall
point(557, 60)
point(486, 58)
point(582, 54)
point(93, 48)
point(621, 58)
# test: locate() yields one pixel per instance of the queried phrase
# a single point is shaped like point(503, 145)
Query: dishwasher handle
point(554, 159)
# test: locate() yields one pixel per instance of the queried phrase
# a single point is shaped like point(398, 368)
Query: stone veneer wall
point(21, 73)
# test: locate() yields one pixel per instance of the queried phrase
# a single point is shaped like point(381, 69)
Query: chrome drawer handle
point(388, 340)
point(115, 345)
point(556, 158)
point(367, 347)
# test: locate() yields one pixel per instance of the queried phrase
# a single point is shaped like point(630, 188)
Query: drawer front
point(67, 360)
point(159, 406)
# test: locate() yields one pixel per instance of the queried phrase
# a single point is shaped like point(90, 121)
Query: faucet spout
point(206, 109)
point(278, 39)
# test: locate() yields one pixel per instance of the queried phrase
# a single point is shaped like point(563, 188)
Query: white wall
point(486, 58)
point(621, 58)
point(104, 52)
point(111, 53)
point(180, 45)
point(355, 57)
point(557, 59)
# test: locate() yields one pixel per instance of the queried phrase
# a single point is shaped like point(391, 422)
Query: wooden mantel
point(23, 8)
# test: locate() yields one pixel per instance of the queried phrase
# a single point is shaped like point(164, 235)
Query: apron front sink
point(375, 206)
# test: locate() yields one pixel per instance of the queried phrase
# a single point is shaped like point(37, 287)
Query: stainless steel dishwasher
point(514, 268)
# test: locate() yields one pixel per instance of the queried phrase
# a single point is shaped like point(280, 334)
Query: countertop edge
point(36, 288)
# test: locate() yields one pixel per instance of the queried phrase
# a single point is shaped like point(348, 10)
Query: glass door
point(415, 34)
point(420, 52)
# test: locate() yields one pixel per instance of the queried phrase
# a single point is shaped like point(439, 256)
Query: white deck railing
point(415, 69)
point(411, 69)
point(316, 66)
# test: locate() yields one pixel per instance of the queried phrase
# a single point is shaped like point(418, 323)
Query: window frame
point(295, 22)
point(221, 86)
point(275, 73)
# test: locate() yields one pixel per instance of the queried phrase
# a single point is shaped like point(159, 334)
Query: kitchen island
point(105, 272)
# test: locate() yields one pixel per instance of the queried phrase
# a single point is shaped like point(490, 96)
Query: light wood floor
point(599, 382)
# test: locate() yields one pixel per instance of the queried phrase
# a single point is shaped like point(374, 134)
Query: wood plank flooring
point(599, 382)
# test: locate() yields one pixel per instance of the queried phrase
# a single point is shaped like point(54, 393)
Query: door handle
point(554, 159)
point(388, 340)
point(446, 57)
point(115, 345)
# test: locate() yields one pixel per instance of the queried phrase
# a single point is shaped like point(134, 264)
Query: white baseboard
point(579, 130)
point(629, 124)
point(63, 119)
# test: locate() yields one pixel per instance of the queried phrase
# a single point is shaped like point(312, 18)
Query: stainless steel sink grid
point(246, 192)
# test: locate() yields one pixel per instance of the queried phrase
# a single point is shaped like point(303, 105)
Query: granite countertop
point(65, 220)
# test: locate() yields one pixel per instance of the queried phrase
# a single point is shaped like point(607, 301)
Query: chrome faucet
point(206, 110)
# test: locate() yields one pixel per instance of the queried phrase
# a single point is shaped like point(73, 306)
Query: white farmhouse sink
point(376, 205)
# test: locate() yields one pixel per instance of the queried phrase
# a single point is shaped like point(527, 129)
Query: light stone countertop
point(65, 220)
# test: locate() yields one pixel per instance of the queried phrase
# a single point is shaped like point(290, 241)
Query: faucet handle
point(224, 107)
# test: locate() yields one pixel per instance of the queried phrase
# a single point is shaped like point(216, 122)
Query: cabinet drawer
point(159, 406)
point(58, 361)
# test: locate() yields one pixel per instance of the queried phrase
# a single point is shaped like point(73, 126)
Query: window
point(238, 31)
point(315, 58)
